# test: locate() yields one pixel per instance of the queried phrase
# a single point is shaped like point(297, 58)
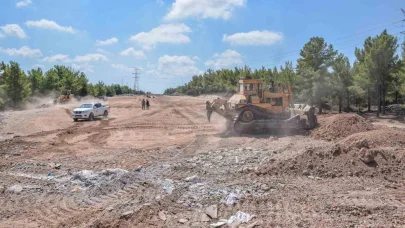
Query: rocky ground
point(170, 167)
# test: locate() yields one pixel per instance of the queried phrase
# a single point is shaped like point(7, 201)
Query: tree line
point(18, 87)
point(323, 75)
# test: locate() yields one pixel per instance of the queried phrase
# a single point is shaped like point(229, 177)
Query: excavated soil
point(170, 167)
point(334, 127)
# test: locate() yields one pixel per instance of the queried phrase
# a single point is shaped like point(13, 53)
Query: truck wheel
point(75, 119)
point(105, 113)
point(91, 117)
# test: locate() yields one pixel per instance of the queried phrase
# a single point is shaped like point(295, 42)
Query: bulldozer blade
point(209, 113)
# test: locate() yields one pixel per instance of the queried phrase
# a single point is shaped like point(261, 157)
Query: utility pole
point(136, 77)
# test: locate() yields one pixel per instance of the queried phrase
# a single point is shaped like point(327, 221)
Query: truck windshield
point(86, 106)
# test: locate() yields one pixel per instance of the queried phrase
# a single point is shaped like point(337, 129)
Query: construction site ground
point(170, 167)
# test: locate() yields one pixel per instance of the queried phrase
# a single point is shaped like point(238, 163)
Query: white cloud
point(57, 58)
point(23, 51)
point(256, 37)
point(102, 51)
point(174, 66)
point(106, 42)
point(2, 35)
point(226, 59)
point(90, 58)
point(13, 30)
point(182, 9)
point(49, 25)
point(165, 33)
point(122, 67)
point(38, 66)
point(79, 59)
point(131, 52)
point(86, 67)
point(160, 2)
point(23, 3)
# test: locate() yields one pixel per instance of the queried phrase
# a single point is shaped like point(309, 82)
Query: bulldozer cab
point(251, 92)
point(66, 92)
point(250, 88)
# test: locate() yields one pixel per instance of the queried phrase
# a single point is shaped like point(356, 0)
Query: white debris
point(240, 217)
point(168, 186)
point(15, 189)
point(182, 221)
point(219, 223)
point(231, 199)
point(194, 179)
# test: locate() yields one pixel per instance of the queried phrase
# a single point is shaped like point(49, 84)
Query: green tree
point(100, 89)
point(342, 80)
point(17, 85)
point(51, 81)
point(316, 57)
point(379, 62)
point(36, 78)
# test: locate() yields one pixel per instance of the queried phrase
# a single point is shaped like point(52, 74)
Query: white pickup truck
point(90, 110)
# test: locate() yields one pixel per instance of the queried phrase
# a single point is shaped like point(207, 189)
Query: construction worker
point(147, 104)
point(143, 104)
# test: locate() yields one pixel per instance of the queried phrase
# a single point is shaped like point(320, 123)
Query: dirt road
point(165, 166)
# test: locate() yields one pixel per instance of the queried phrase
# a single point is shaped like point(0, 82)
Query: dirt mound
point(376, 153)
point(338, 126)
point(381, 137)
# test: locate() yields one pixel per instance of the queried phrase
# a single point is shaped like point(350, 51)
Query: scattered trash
point(182, 221)
point(194, 179)
point(220, 223)
point(54, 165)
point(241, 217)
point(231, 199)
point(212, 211)
point(168, 186)
point(50, 174)
point(15, 189)
point(127, 214)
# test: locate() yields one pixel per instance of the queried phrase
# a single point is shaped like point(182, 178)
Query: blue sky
point(171, 40)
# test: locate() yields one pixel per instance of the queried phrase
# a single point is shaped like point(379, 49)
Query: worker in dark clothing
point(147, 104)
point(143, 104)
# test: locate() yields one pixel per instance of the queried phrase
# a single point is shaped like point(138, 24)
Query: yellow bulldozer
point(64, 98)
point(254, 108)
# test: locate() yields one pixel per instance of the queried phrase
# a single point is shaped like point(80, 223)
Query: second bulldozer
point(64, 98)
point(254, 108)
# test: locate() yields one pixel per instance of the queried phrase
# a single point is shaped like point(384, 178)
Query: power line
point(344, 40)
point(403, 12)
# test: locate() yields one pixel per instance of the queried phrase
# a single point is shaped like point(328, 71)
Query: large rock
point(162, 215)
point(205, 218)
point(182, 221)
point(127, 214)
point(212, 211)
